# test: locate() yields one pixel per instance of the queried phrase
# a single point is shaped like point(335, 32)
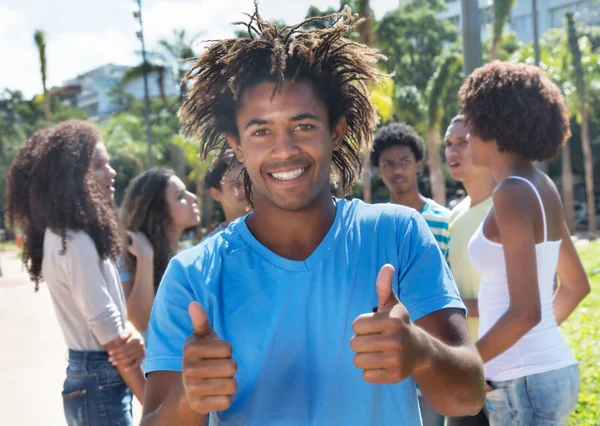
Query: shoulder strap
point(537, 194)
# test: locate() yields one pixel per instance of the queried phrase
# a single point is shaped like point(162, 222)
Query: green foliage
point(501, 10)
point(582, 332)
point(412, 37)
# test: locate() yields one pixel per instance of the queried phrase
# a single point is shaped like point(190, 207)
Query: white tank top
point(542, 349)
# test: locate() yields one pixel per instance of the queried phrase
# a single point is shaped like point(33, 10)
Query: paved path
point(32, 351)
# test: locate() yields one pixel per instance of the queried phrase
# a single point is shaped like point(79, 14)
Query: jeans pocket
point(553, 395)
point(75, 407)
point(116, 403)
point(497, 404)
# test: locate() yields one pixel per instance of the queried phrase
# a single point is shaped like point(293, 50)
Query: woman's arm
point(513, 207)
point(133, 378)
point(140, 292)
point(574, 284)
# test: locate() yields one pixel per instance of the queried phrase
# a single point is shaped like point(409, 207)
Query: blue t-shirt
point(290, 322)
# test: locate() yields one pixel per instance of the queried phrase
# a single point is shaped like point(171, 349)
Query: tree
point(174, 52)
point(567, 186)
point(365, 32)
point(502, 10)
point(437, 91)
point(579, 78)
point(40, 41)
point(412, 37)
point(136, 72)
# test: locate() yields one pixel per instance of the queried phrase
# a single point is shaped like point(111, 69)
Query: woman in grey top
point(59, 193)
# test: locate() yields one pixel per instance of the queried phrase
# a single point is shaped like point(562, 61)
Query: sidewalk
point(32, 351)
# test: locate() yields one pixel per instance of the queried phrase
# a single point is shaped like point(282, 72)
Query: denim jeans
point(545, 399)
point(94, 394)
point(428, 416)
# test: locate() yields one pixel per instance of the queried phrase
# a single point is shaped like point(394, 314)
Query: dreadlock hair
point(338, 68)
point(51, 185)
point(145, 209)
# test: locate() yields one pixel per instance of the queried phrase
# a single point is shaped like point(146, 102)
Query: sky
point(84, 34)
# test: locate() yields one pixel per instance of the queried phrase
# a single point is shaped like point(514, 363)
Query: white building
point(550, 15)
point(91, 91)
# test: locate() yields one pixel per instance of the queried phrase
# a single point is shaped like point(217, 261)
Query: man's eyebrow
point(256, 122)
point(304, 116)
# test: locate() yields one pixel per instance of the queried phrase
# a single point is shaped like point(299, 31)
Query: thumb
point(387, 297)
point(200, 321)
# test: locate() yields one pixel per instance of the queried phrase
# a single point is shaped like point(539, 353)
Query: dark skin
point(516, 222)
point(399, 170)
point(478, 181)
point(286, 145)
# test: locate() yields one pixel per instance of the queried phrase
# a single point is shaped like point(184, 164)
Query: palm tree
point(40, 41)
point(138, 72)
point(439, 85)
point(365, 32)
point(175, 51)
point(502, 10)
point(567, 187)
point(588, 163)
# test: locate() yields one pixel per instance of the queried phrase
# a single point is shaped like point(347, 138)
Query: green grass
point(582, 332)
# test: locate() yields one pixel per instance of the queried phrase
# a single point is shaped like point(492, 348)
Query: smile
point(288, 175)
point(453, 165)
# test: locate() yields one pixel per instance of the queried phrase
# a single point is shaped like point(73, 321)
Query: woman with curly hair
point(516, 117)
point(59, 193)
point(157, 208)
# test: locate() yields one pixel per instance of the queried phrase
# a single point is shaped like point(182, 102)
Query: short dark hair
point(458, 119)
point(397, 134)
point(517, 106)
point(338, 68)
point(215, 175)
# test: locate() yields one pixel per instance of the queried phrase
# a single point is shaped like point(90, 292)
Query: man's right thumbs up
point(207, 367)
point(200, 321)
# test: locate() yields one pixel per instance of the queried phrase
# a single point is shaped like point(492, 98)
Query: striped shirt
point(437, 217)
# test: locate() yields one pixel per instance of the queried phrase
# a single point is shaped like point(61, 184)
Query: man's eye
point(261, 132)
point(305, 127)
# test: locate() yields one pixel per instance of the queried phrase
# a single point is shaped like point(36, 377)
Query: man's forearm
point(174, 411)
point(451, 378)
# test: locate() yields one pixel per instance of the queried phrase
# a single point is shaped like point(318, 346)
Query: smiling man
point(398, 155)
point(272, 322)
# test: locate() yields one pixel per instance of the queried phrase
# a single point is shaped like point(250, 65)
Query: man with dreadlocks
point(283, 299)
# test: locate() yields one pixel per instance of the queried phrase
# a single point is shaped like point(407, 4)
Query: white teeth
point(288, 175)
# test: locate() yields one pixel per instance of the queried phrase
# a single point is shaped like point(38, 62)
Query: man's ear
point(215, 194)
point(338, 132)
point(419, 167)
point(234, 142)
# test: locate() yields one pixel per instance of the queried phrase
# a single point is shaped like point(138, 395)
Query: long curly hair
point(52, 186)
point(338, 68)
point(145, 209)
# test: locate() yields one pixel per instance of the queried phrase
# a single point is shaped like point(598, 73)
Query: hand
point(208, 368)
point(386, 342)
point(130, 352)
point(140, 245)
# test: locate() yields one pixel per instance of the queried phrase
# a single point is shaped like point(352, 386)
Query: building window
point(587, 13)
point(523, 26)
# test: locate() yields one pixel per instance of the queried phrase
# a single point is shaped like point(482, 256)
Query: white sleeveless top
point(542, 349)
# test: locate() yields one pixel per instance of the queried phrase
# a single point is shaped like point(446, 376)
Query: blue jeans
point(545, 399)
point(94, 394)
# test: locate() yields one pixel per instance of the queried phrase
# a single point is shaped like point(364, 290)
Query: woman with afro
point(517, 117)
point(60, 190)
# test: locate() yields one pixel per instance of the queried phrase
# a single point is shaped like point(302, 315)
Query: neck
point(508, 164)
point(479, 186)
point(412, 198)
point(292, 234)
point(174, 237)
